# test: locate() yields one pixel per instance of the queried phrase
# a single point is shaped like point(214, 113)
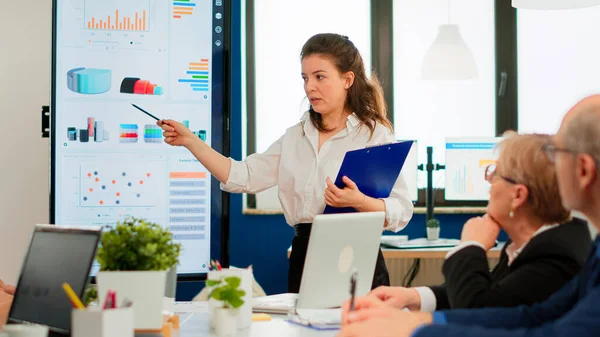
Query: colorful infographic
point(89, 80)
point(128, 133)
point(117, 185)
point(135, 85)
point(466, 162)
point(183, 8)
point(130, 15)
point(113, 161)
point(94, 131)
point(197, 76)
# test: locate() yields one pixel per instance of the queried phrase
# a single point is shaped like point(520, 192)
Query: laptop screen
point(55, 256)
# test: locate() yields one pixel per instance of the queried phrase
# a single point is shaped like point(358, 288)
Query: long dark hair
point(365, 96)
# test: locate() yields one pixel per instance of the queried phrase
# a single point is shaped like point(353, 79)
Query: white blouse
point(295, 164)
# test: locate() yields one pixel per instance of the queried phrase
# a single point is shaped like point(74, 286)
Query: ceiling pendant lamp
point(449, 58)
point(554, 4)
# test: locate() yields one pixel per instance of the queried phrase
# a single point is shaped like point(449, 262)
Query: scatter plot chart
point(129, 186)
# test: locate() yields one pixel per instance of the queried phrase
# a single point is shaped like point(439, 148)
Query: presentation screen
point(466, 161)
point(109, 160)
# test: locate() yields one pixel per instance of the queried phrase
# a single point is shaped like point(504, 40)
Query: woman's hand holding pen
point(375, 318)
point(177, 134)
point(349, 196)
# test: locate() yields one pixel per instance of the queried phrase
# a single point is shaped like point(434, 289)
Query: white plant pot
point(245, 311)
point(213, 305)
point(145, 289)
point(433, 233)
point(171, 285)
point(226, 321)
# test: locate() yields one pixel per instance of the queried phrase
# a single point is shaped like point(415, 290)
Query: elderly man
point(572, 311)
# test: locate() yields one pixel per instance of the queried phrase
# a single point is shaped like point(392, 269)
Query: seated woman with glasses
point(546, 247)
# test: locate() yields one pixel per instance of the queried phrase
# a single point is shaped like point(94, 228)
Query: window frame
point(382, 57)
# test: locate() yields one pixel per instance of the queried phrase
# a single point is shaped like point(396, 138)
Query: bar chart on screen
point(182, 8)
point(466, 162)
point(131, 15)
point(197, 76)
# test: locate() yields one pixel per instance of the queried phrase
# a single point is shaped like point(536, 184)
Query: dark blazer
point(572, 311)
point(545, 265)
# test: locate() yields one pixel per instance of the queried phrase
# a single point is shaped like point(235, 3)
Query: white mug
point(26, 330)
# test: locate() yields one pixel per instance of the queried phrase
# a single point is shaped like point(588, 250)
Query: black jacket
point(545, 265)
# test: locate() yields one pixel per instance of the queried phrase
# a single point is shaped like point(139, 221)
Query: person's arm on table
point(375, 319)
point(469, 284)
point(10, 289)
point(580, 320)
point(5, 303)
point(523, 316)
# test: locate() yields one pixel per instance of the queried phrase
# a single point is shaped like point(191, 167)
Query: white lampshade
point(554, 4)
point(449, 58)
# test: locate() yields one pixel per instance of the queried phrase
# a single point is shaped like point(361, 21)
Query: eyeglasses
point(551, 150)
point(490, 173)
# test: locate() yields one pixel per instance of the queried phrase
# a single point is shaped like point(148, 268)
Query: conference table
point(400, 261)
point(194, 323)
point(194, 315)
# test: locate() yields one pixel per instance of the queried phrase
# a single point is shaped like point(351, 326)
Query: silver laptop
point(339, 244)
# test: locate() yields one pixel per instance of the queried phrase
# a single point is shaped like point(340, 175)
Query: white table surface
point(194, 323)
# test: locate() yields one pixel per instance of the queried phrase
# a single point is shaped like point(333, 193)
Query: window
point(558, 64)
point(430, 111)
point(399, 32)
point(280, 30)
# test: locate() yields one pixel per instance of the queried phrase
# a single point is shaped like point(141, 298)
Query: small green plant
point(226, 291)
point(433, 223)
point(136, 244)
point(90, 295)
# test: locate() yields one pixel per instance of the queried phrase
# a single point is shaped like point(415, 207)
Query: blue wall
point(263, 240)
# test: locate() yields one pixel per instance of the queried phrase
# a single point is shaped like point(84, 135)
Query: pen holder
point(102, 323)
point(244, 319)
point(145, 289)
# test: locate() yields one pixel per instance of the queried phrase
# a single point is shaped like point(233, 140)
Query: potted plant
point(90, 295)
point(134, 258)
point(228, 294)
point(433, 229)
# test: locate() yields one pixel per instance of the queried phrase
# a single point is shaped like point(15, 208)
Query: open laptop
point(339, 244)
point(56, 255)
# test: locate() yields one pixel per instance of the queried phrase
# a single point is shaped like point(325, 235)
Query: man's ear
point(586, 170)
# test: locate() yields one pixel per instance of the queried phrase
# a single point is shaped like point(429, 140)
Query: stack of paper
point(421, 243)
point(275, 304)
point(320, 319)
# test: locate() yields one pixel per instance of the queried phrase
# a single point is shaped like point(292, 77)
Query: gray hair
point(582, 132)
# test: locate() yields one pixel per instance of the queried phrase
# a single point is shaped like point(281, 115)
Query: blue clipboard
point(373, 169)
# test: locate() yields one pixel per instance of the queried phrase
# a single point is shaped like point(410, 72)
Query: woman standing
point(347, 112)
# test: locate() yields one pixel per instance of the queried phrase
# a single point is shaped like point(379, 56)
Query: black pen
point(352, 289)
point(146, 112)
